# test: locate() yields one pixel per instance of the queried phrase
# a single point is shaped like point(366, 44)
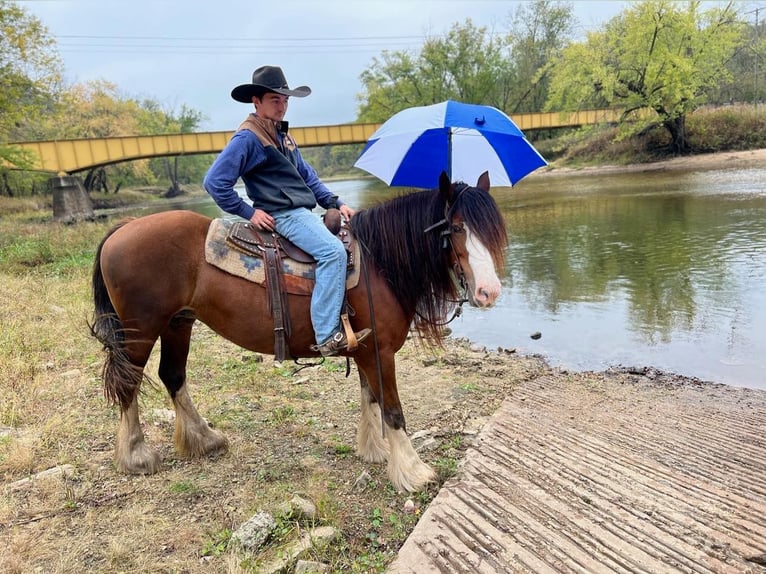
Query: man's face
point(271, 106)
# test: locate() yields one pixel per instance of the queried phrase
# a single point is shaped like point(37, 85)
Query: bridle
point(458, 274)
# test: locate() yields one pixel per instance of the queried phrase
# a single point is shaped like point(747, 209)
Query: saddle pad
point(299, 277)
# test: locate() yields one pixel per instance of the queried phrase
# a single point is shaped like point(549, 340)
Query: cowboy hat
point(269, 79)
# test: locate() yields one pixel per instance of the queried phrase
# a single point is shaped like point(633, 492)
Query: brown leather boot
point(338, 342)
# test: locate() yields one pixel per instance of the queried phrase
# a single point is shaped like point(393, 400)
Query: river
point(651, 269)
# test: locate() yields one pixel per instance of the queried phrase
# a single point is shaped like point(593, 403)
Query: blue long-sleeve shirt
point(242, 154)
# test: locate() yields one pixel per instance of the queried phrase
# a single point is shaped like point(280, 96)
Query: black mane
point(415, 262)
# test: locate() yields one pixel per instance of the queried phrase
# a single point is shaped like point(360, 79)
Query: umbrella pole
point(449, 153)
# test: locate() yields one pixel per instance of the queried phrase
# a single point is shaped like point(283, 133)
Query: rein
point(446, 235)
point(366, 275)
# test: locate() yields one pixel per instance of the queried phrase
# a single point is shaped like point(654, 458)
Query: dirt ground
point(290, 431)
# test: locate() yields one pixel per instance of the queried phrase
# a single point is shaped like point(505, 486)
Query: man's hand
point(346, 212)
point(262, 220)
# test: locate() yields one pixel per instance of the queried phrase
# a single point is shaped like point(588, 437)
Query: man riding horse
point(284, 189)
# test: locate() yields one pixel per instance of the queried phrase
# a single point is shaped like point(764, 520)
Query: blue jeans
point(308, 232)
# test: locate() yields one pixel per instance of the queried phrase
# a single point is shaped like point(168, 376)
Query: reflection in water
point(651, 269)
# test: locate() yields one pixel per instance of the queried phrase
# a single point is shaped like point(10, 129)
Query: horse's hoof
point(218, 446)
point(207, 443)
point(373, 453)
point(142, 460)
point(414, 480)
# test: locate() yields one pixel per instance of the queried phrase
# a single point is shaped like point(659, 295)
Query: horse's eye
point(457, 228)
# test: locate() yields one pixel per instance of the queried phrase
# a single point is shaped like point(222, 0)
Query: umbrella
point(414, 146)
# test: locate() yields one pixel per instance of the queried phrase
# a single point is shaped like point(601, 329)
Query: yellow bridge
point(72, 156)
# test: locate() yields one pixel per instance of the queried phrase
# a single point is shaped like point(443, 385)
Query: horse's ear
point(444, 182)
point(483, 182)
point(445, 186)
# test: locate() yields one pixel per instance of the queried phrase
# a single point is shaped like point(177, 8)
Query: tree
point(748, 65)
point(29, 79)
point(97, 109)
point(539, 32)
point(657, 54)
point(472, 64)
point(463, 65)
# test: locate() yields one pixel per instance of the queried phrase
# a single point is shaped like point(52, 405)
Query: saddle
point(273, 248)
point(245, 237)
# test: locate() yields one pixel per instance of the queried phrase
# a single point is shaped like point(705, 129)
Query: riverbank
point(698, 162)
point(605, 472)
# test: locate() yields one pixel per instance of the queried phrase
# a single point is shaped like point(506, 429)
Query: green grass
point(217, 543)
point(48, 248)
point(183, 487)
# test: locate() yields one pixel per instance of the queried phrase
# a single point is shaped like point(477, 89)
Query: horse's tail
point(122, 378)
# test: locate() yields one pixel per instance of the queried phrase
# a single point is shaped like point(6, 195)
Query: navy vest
point(276, 184)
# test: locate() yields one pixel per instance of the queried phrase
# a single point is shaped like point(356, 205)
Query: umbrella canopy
point(415, 145)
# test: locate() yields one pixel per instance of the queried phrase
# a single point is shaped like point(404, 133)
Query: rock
point(64, 470)
point(163, 416)
point(423, 440)
point(421, 434)
point(300, 509)
point(254, 533)
point(364, 479)
point(426, 445)
point(314, 538)
point(409, 506)
point(536, 335)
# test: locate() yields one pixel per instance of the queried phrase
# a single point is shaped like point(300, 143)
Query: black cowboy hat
point(267, 79)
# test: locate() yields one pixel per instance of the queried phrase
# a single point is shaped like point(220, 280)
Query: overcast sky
point(194, 53)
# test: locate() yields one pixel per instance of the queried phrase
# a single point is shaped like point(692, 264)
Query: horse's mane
point(415, 262)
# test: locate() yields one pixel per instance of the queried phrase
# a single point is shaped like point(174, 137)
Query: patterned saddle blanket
point(232, 248)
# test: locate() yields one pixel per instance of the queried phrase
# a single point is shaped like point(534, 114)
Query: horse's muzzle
point(484, 295)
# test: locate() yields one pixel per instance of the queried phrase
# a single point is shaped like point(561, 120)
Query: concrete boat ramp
point(605, 472)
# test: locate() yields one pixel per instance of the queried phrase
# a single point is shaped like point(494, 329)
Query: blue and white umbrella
point(414, 146)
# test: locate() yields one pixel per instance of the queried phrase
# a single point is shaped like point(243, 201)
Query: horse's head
point(478, 238)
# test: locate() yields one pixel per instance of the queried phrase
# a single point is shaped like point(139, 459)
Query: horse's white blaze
point(486, 284)
point(370, 444)
point(405, 469)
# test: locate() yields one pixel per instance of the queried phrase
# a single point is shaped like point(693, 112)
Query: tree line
point(662, 56)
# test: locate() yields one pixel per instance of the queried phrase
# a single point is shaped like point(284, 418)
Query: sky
point(193, 53)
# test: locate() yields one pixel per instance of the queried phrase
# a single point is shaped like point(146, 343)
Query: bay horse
point(151, 281)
